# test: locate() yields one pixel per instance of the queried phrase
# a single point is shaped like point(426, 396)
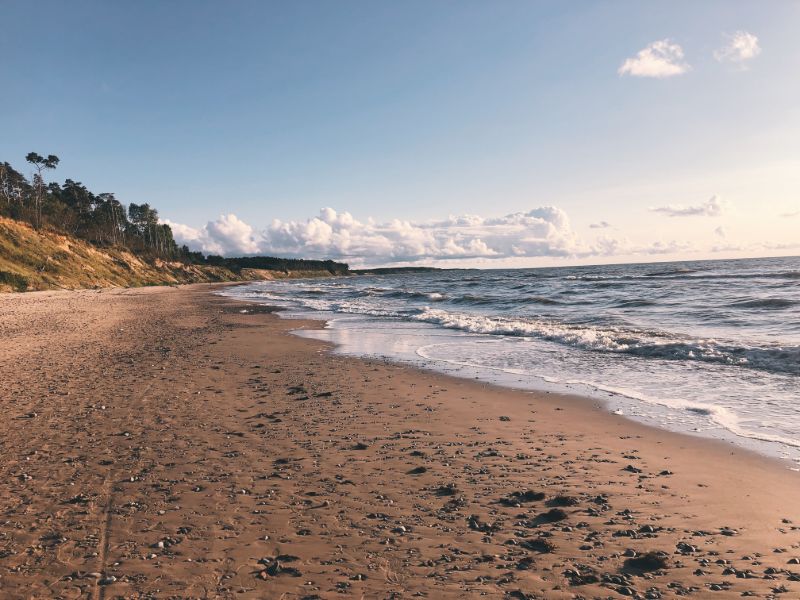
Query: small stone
point(685, 548)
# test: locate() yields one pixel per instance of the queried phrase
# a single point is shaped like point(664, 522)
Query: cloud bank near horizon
point(544, 232)
point(714, 207)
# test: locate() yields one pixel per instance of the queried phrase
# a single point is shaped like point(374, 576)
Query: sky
point(452, 133)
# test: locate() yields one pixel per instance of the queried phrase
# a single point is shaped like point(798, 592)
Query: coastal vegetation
point(63, 235)
point(393, 270)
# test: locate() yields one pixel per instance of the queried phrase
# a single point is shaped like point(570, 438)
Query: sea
point(709, 348)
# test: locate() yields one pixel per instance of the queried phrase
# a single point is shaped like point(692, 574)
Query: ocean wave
point(589, 277)
point(681, 274)
point(668, 272)
point(634, 303)
point(620, 338)
point(790, 275)
point(643, 344)
point(541, 300)
point(473, 299)
point(414, 295)
point(772, 303)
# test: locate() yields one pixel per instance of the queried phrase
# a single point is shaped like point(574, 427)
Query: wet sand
point(163, 443)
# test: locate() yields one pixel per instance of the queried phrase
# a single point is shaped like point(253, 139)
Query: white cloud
point(720, 231)
point(540, 232)
point(789, 215)
point(715, 207)
point(600, 225)
point(227, 235)
point(755, 248)
point(184, 234)
point(609, 246)
point(659, 59)
point(669, 247)
point(726, 247)
point(543, 233)
point(741, 47)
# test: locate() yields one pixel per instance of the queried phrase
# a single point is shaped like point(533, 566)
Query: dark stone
point(645, 563)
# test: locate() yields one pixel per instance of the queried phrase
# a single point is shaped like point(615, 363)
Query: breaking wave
point(646, 344)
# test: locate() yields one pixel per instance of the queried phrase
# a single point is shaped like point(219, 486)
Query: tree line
point(271, 263)
point(73, 209)
point(101, 219)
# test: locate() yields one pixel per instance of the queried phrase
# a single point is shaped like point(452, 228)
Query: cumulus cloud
point(659, 59)
point(715, 207)
point(543, 232)
point(226, 235)
point(184, 234)
point(739, 48)
point(600, 225)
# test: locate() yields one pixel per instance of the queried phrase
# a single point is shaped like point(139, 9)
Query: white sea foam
point(652, 344)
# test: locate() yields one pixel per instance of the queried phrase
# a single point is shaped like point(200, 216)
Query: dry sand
point(161, 443)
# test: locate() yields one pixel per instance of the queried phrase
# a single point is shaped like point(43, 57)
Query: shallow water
point(707, 347)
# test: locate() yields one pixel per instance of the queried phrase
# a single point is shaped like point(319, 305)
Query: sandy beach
point(169, 443)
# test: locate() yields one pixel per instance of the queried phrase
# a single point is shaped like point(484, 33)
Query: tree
point(109, 220)
point(81, 202)
point(13, 190)
point(41, 164)
point(145, 226)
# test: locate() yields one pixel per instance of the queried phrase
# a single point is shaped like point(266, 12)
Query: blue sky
point(416, 111)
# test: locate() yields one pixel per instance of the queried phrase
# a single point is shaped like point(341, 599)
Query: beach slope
point(167, 442)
